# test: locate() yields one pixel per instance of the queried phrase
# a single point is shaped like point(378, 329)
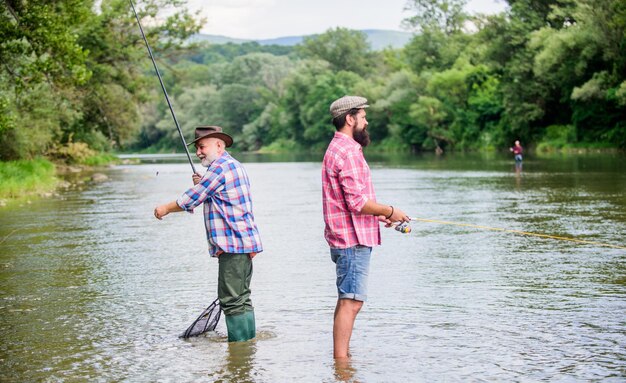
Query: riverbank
point(41, 177)
point(26, 177)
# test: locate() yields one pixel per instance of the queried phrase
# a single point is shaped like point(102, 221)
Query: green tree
point(344, 49)
point(524, 98)
point(241, 91)
point(446, 16)
point(262, 70)
point(74, 70)
point(42, 62)
point(439, 40)
point(430, 116)
point(391, 121)
point(310, 89)
point(272, 125)
point(484, 107)
point(40, 44)
point(433, 50)
point(585, 61)
point(122, 75)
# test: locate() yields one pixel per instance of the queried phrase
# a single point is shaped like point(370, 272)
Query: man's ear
point(350, 120)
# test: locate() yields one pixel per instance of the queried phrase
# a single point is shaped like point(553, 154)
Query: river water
point(94, 288)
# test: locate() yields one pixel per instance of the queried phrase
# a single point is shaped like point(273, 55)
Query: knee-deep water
point(94, 288)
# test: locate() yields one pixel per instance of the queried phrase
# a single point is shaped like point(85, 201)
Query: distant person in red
point(517, 151)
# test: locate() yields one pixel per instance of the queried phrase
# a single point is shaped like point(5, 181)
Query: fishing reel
point(403, 228)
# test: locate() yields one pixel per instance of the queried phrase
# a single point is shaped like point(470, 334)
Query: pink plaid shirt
point(346, 187)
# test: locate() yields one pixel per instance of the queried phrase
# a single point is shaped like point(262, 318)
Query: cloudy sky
point(262, 19)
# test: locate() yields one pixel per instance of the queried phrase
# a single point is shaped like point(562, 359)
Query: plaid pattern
point(346, 187)
point(225, 192)
point(345, 103)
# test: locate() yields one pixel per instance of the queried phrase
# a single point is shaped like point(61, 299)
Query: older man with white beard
point(233, 237)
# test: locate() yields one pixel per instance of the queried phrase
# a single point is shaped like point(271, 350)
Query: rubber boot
point(241, 327)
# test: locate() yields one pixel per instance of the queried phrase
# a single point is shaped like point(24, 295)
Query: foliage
point(75, 78)
point(39, 43)
point(73, 152)
point(446, 16)
point(210, 53)
point(100, 160)
point(433, 50)
point(74, 68)
point(281, 145)
point(342, 48)
point(557, 137)
point(26, 177)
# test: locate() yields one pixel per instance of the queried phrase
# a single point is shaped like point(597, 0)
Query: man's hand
point(385, 213)
point(160, 211)
point(163, 210)
point(196, 178)
point(399, 215)
point(384, 220)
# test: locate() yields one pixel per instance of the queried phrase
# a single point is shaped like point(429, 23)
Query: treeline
point(550, 73)
point(73, 73)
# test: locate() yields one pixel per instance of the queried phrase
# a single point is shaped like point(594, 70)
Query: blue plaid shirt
point(225, 192)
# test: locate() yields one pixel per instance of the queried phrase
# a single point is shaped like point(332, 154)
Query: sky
point(263, 19)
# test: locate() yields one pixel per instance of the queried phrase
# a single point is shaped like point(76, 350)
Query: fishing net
point(207, 321)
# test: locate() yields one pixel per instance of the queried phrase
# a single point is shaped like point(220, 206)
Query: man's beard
point(208, 159)
point(206, 162)
point(361, 136)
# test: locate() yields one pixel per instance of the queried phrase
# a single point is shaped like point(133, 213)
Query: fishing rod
point(208, 319)
point(156, 69)
point(404, 228)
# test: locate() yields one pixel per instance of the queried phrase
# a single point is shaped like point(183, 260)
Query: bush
point(99, 160)
point(280, 146)
point(26, 177)
point(73, 152)
point(557, 137)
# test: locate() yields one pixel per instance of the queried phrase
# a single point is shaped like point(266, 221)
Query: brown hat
point(212, 131)
point(345, 103)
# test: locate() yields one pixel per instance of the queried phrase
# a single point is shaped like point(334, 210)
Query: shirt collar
point(347, 140)
point(224, 155)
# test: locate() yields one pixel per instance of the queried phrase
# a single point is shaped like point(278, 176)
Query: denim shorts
point(352, 266)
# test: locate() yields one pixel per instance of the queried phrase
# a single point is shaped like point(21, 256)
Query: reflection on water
point(518, 175)
point(93, 288)
point(239, 363)
point(344, 371)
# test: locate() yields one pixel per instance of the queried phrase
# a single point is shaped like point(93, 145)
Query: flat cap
point(345, 103)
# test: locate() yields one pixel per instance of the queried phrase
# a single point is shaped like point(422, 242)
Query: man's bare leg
point(345, 314)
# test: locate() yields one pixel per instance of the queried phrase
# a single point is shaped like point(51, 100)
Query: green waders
point(233, 290)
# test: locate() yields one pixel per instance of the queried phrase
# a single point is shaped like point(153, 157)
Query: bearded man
point(351, 214)
point(233, 237)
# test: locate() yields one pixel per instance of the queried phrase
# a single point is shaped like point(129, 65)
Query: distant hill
point(216, 39)
point(377, 38)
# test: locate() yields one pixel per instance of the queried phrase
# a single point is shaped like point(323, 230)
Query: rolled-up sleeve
point(350, 179)
point(211, 183)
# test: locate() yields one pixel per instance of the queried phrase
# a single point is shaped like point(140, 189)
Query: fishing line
point(8, 235)
point(156, 69)
point(207, 321)
point(404, 228)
